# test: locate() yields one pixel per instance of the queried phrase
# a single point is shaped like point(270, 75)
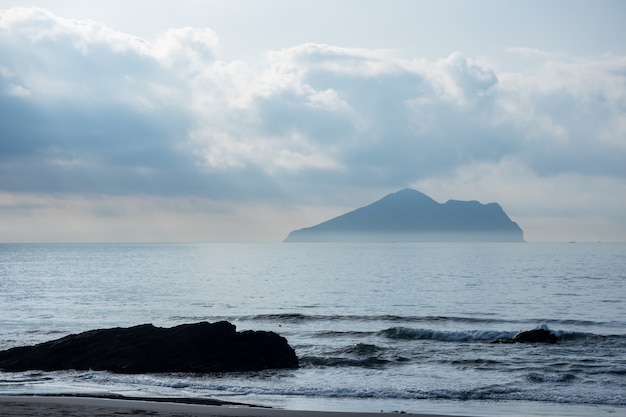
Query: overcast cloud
point(108, 136)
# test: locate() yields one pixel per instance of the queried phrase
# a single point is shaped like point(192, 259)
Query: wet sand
point(79, 406)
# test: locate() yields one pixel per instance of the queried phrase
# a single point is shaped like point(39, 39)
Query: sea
point(394, 327)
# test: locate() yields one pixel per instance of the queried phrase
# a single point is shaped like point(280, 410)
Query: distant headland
point(411, 216)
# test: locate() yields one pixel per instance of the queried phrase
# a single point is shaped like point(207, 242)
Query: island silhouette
point(412, 216)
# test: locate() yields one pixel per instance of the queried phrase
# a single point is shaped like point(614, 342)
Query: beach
point(78, 406)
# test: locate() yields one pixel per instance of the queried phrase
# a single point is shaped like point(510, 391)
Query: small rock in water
point(536, 336)
point(531, 336)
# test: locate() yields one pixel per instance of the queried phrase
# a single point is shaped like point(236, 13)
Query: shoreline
point(115, 406)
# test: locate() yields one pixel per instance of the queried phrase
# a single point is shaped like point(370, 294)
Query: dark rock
point(411, 216)
point(536, 336)
point(531, 336)
point(198, 348)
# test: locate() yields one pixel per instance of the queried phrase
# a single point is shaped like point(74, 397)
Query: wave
point(229, 386)
point(497, 392)
point(405, 333)
point(299, 317)
point(302, 318)
point(541, 388)
point(361, 349)
point(589, 337)
point(540, 377)
point(365, 355)
point(344, 333)
point(474, 335)
point(319, 361)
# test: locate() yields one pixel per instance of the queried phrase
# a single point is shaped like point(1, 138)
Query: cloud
point(566, 111)
point(87, 110)
point(564, 207)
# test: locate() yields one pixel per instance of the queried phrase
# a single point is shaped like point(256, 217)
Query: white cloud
point(461, 80)
point(186, 49)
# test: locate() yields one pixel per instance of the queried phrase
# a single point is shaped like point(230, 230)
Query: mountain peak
point(410, 215)
point(408, 196)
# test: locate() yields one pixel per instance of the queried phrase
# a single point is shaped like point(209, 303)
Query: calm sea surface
point(393, 327)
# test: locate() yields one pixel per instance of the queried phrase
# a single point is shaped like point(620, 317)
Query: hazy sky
point(200, 120)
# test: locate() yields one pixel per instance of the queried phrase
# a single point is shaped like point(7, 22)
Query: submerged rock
point(531, 336)
point(198, 348)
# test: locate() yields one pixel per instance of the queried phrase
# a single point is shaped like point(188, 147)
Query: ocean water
point(393, 327)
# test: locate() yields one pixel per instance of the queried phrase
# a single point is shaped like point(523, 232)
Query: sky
point(241, 120)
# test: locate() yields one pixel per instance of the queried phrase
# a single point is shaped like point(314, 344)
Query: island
point(412, 216)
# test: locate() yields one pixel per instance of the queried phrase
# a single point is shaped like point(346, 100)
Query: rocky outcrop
point(411, 216)
point(532, 336)
point(197, 348)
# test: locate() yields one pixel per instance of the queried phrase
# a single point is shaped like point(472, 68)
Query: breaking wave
point(446, 336)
